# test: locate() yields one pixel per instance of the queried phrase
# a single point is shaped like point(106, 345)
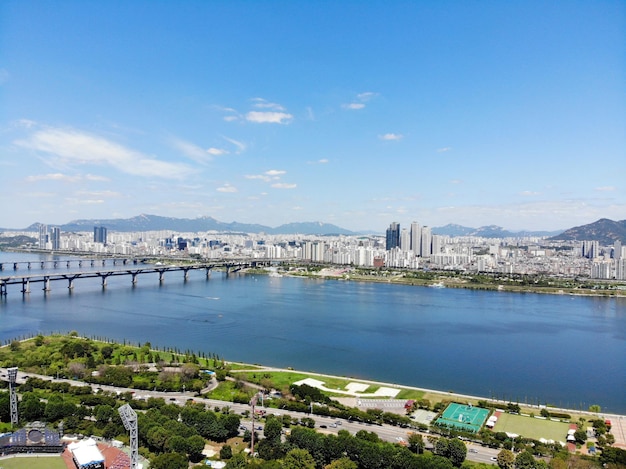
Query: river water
point(564, 350)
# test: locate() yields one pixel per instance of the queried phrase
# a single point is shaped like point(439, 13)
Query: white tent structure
point(86, 454)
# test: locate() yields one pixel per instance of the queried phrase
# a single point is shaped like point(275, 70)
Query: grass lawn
point(531, 427)
point(44, 462)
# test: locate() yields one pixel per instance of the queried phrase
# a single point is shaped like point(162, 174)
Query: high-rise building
point(393, 236)
point(43, 236)
point(99, 234)
point(405, 240)
point(416, 238)
point(426, 248)
point(55, 238)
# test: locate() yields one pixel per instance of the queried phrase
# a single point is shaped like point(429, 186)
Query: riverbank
point(383, 390)
point(452, 280)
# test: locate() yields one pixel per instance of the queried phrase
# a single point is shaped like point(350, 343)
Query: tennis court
point(464, 417)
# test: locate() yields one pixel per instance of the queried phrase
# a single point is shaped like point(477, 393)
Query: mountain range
point(604, 230)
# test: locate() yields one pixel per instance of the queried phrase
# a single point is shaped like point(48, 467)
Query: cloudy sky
point(345, 112)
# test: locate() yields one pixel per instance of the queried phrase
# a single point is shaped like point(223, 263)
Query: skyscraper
point(416, 238)
point(427, 241)
point(393, 236)
point(43, 236)
point(55, 238)
point(99, 234)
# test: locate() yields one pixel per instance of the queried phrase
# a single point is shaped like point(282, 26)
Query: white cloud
point(456, 181)
point(283, 185)
point(605, 189)
point(529, 193)
point(275, 172)
point(216, 151)
point(52, 177)
point(106, 194)
point(264, 104)
point(227, 188)
point(353, 106)
point(241, 147)
point(94, 177)
point(391, 136)
point(230, 118)
point(194, 152)
point(320, 161)
point(366, 96)
point(444, 149)
point(268, 117)
point(72, 147)
point(267, 176)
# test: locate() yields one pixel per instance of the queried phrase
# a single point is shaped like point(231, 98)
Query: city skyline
point(349, 114)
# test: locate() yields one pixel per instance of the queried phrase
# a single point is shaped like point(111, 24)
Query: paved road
point(385, 432)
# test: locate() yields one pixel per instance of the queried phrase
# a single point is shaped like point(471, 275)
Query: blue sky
point(345, 112)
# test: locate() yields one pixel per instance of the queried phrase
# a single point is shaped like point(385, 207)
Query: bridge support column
point(28, 266)
point(3, 289)
point(43, 264)
point(134, 278)
point(80, 263)
point(56, 264)
point(68, 264)
point(208, 273)
point(25, 286)
point(15, 266)
point(92, 262)
point(161, 276)
point(1, 266)
point(46, 284)
point(70, 284)
point(186, 274)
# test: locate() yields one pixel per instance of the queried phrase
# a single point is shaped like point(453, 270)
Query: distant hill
point(157, 223)
point(604, 230)
point(491, 231)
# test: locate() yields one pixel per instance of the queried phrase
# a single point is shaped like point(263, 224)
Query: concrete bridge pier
point(43, 264)
point(46, 284)
point(56, 264)
point(15, 264)
point(104, 279)
point(80, 263)
point(134, 278)
point(161, 276)
point(186, 274)
point(28, 266)
point(208, 273)
point(92, 262)
point(3, 289)
point(25, 286)
point(67, 264)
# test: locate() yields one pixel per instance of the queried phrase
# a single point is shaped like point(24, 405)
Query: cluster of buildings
point(415, 247)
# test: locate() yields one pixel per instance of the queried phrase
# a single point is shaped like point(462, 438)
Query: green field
point(44, 462)
point(531, 427)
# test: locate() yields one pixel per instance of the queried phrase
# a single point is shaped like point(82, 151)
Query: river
point(568, 351)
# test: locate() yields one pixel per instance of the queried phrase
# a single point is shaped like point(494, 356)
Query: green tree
point(226, 452)
point(238, 461)
point(506, 459)
point(416, 443)
point(441, 447)
point(169, 461)
point(272, 430)
point(195, 445)
point(298, 459)
point(342, 463)
point(595, 408)
point(581, 436)
point(30, 408)
point(457, 451)
point(525, 460)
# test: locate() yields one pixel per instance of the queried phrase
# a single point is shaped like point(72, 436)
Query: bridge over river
point(230, 265)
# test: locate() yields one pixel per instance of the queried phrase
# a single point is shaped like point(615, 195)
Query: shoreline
point(444, 394)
